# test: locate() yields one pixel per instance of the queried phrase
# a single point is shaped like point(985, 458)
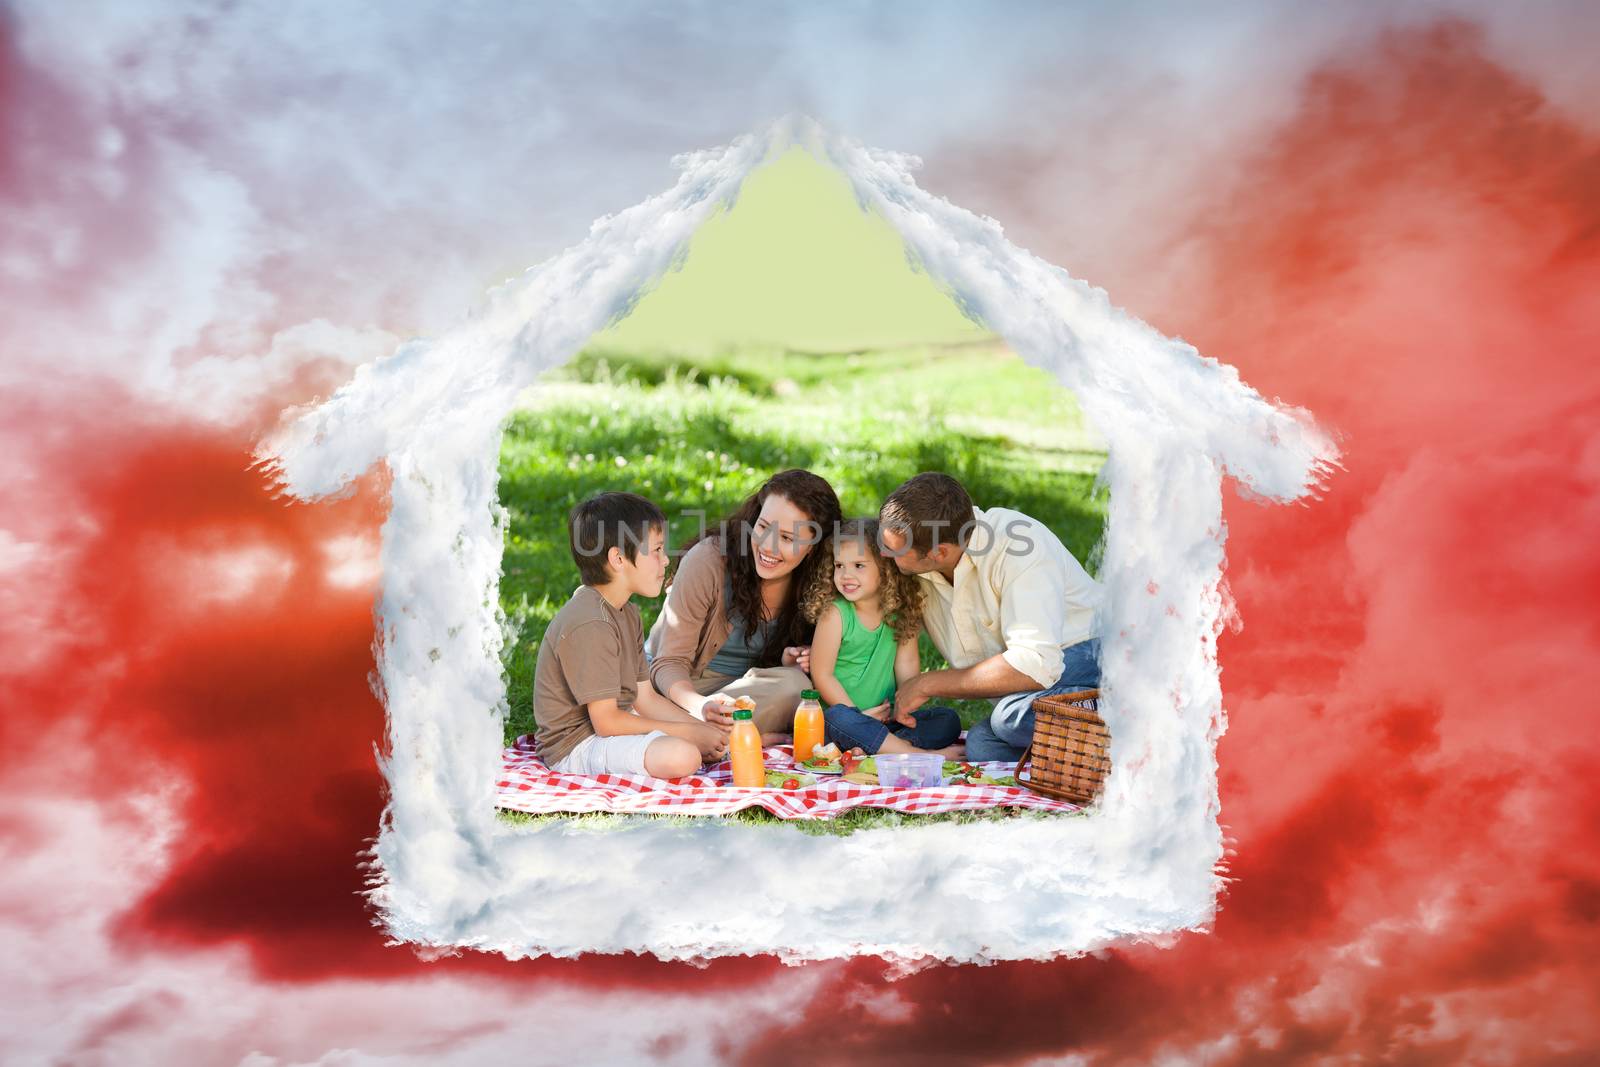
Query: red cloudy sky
point(1392, 220)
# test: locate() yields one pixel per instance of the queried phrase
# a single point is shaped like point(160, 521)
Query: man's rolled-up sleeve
point(1032, 616)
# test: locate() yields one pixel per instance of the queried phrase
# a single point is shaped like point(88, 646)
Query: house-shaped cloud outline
point(1146, 862)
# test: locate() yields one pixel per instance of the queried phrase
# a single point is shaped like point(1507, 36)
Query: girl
point(868, 615)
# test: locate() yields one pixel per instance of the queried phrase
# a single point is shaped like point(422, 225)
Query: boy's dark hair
point(930, 509)
point(606, 521)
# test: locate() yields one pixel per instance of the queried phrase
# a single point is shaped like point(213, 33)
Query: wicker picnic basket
point(1071, 751)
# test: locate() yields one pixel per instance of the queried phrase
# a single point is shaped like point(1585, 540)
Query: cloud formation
point(1407, 777)
point(1401, 242)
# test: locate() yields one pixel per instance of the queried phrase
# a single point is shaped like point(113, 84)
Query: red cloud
point(1408, 777)
point(247, 683)
point(1408, 774)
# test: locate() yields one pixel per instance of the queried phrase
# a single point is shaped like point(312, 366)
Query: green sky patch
point(795, 263)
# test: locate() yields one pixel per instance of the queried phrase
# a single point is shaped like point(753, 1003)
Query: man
point(1006, 604)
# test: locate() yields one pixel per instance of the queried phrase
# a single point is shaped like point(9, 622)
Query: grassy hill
point(704, 432)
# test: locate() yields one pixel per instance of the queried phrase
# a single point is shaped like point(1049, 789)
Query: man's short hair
point(606, 521)
point(931, 509)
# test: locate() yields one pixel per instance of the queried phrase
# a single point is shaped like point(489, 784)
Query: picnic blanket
point(527, 785)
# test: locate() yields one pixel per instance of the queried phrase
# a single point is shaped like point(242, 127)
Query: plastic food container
point(912, 770)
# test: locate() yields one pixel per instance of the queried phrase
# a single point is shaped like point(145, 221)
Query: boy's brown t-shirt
point(591, 651)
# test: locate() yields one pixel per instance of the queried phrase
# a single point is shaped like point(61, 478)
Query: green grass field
point(701, 432)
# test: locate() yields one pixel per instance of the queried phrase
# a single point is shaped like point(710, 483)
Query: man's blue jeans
point(850, 728)
point(1009, 729)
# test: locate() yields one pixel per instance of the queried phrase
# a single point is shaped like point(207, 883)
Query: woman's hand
point(717, 710)
point(798, 656)
point(881, 712)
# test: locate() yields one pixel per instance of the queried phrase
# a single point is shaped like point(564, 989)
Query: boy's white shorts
point(620, 754)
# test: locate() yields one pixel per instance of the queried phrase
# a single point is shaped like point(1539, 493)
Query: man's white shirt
point(1018, 592)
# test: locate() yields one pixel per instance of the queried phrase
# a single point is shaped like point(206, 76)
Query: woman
point(732, 624)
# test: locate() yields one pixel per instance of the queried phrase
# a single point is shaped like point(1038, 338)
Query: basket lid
point(1067, 705)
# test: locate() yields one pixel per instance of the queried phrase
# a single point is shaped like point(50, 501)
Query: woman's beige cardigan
point(694, 622)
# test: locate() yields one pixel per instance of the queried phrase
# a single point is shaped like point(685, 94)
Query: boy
point(596, 710)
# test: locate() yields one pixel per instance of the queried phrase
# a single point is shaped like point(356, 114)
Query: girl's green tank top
point(865, 666)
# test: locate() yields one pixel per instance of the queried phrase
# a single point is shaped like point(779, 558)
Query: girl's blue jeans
point(848, 728)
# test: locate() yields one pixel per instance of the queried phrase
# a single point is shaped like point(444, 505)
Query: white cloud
point(1141, 866)
point(198, 180)
point(202, 573)
point(352, 561)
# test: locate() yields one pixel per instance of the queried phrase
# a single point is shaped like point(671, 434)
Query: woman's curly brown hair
point(900, 595)
point(813, 496)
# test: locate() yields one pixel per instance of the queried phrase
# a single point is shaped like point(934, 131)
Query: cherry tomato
point(791, 783)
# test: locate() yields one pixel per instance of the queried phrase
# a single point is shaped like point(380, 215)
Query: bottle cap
point(810, 694)
point(743, 714)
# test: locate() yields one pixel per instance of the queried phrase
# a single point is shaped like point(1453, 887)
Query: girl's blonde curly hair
point(899, 594)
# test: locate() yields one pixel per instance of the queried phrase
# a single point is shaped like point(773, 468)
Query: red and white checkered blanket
point(526, 784)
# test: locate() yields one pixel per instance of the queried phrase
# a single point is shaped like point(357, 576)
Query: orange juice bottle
point(808, 725)
point(749, 769)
